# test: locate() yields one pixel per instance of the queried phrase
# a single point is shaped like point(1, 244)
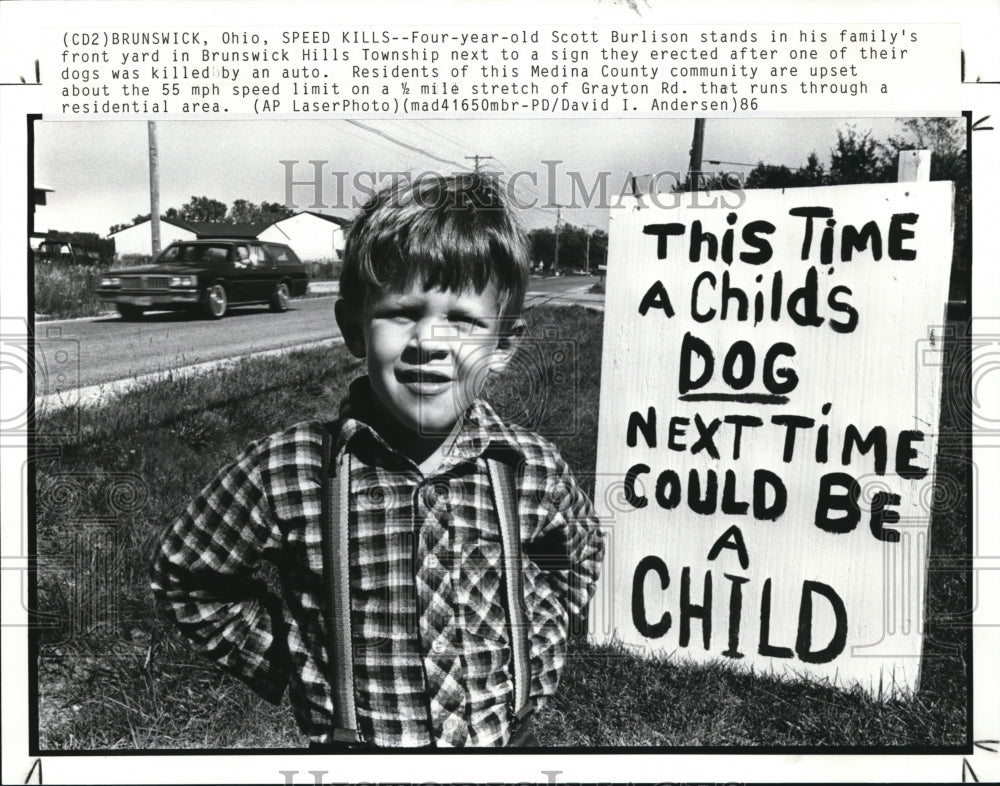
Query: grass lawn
point(113, 675)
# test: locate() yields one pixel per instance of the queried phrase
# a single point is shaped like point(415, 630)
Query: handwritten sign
point(765, 450)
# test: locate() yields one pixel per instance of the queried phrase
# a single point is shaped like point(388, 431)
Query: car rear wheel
point(216, 302)
point(129, 312)
point(280, 298)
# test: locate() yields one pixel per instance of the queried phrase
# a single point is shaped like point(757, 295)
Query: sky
point(99, 170)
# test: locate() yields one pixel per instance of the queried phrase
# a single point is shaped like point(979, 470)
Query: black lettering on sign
point(764, 479)
point(898, 234)
point(735, 615)
point(809, 213)
point(691, 345)
point(656, 297)
point(690, 610)
point(668, 478)
point(791, 422)
point(706, 506)
point(905, 452)
point(706, 436)
point(854, 239)
point(803, 302)
point(766, 648)
point(842, 307)
point(676, 432)
point(875, 439)
point(650, 564)
point(739, 421)
point(633, 499)
point(647, 426)
point(881, 516)
point(662, 232)
point(751, 233)
point(732, 538)
point(784, 379)
point(730, 505)
point(846, 504)
point(803, 642)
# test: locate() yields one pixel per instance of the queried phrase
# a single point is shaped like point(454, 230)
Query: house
point(138, 240)
point(313, 236)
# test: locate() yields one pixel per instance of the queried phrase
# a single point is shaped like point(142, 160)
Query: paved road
point(82, 353)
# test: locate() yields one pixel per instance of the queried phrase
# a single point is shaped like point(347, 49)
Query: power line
point(477, 158)
point(452, 149)
point(415, 149)
point(434, 157)
point(438, 132)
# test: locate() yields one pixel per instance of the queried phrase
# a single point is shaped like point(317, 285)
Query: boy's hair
point(453, 233)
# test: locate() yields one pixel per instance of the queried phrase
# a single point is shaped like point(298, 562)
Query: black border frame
point(962, 441)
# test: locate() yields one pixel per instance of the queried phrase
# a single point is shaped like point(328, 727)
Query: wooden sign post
point(765, 450)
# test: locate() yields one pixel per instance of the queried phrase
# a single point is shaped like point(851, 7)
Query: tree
point(246, 212)
point(542, 243)
point(771, 176)
point(598, 248)
point(858, 158)
point(203, 209)
point(572, 247)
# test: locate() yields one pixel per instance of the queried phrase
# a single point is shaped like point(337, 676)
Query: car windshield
point(183, 253)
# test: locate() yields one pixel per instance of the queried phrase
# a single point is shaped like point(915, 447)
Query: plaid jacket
point(266, 506)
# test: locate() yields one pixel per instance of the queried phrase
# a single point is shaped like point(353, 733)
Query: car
point(68, 253)
point(207, 276)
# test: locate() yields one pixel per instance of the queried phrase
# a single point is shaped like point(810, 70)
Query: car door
point(233, 267)
point(262, 275)
point(286, 266)
point(252, 271)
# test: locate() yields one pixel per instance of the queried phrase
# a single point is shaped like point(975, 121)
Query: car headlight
point(182, 281)
point(111, 282)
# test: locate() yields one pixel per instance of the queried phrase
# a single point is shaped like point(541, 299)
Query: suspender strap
point(502, 481)
point(334, 485)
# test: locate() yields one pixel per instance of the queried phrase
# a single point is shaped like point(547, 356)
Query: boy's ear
point(507, 344)
point(351, 325)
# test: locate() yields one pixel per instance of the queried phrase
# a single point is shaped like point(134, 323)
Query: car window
point(170, 254)
point(280, 255)
point(242, 256)
point(194, 252)
point(213, 253)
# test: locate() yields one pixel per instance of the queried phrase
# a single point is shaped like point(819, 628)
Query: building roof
point(172, 221)
point(332, 219)
point(338, 220)
point(213, 229)
point(210, 229)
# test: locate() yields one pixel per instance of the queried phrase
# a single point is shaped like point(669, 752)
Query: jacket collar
point(482, 431)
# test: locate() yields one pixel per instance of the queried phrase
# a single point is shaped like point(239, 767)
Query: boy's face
point(428, 352)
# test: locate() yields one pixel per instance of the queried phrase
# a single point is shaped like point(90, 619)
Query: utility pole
point(555, 264)
point(591, 228)
point(694, 168)
point(154, 188)
point(477, 158)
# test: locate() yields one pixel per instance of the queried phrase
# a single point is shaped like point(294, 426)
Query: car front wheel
point(216, 302)
point(280, 298)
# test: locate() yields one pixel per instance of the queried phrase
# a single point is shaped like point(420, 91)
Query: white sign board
point(765, 450)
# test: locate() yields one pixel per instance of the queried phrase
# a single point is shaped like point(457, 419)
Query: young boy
point(430, 297)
